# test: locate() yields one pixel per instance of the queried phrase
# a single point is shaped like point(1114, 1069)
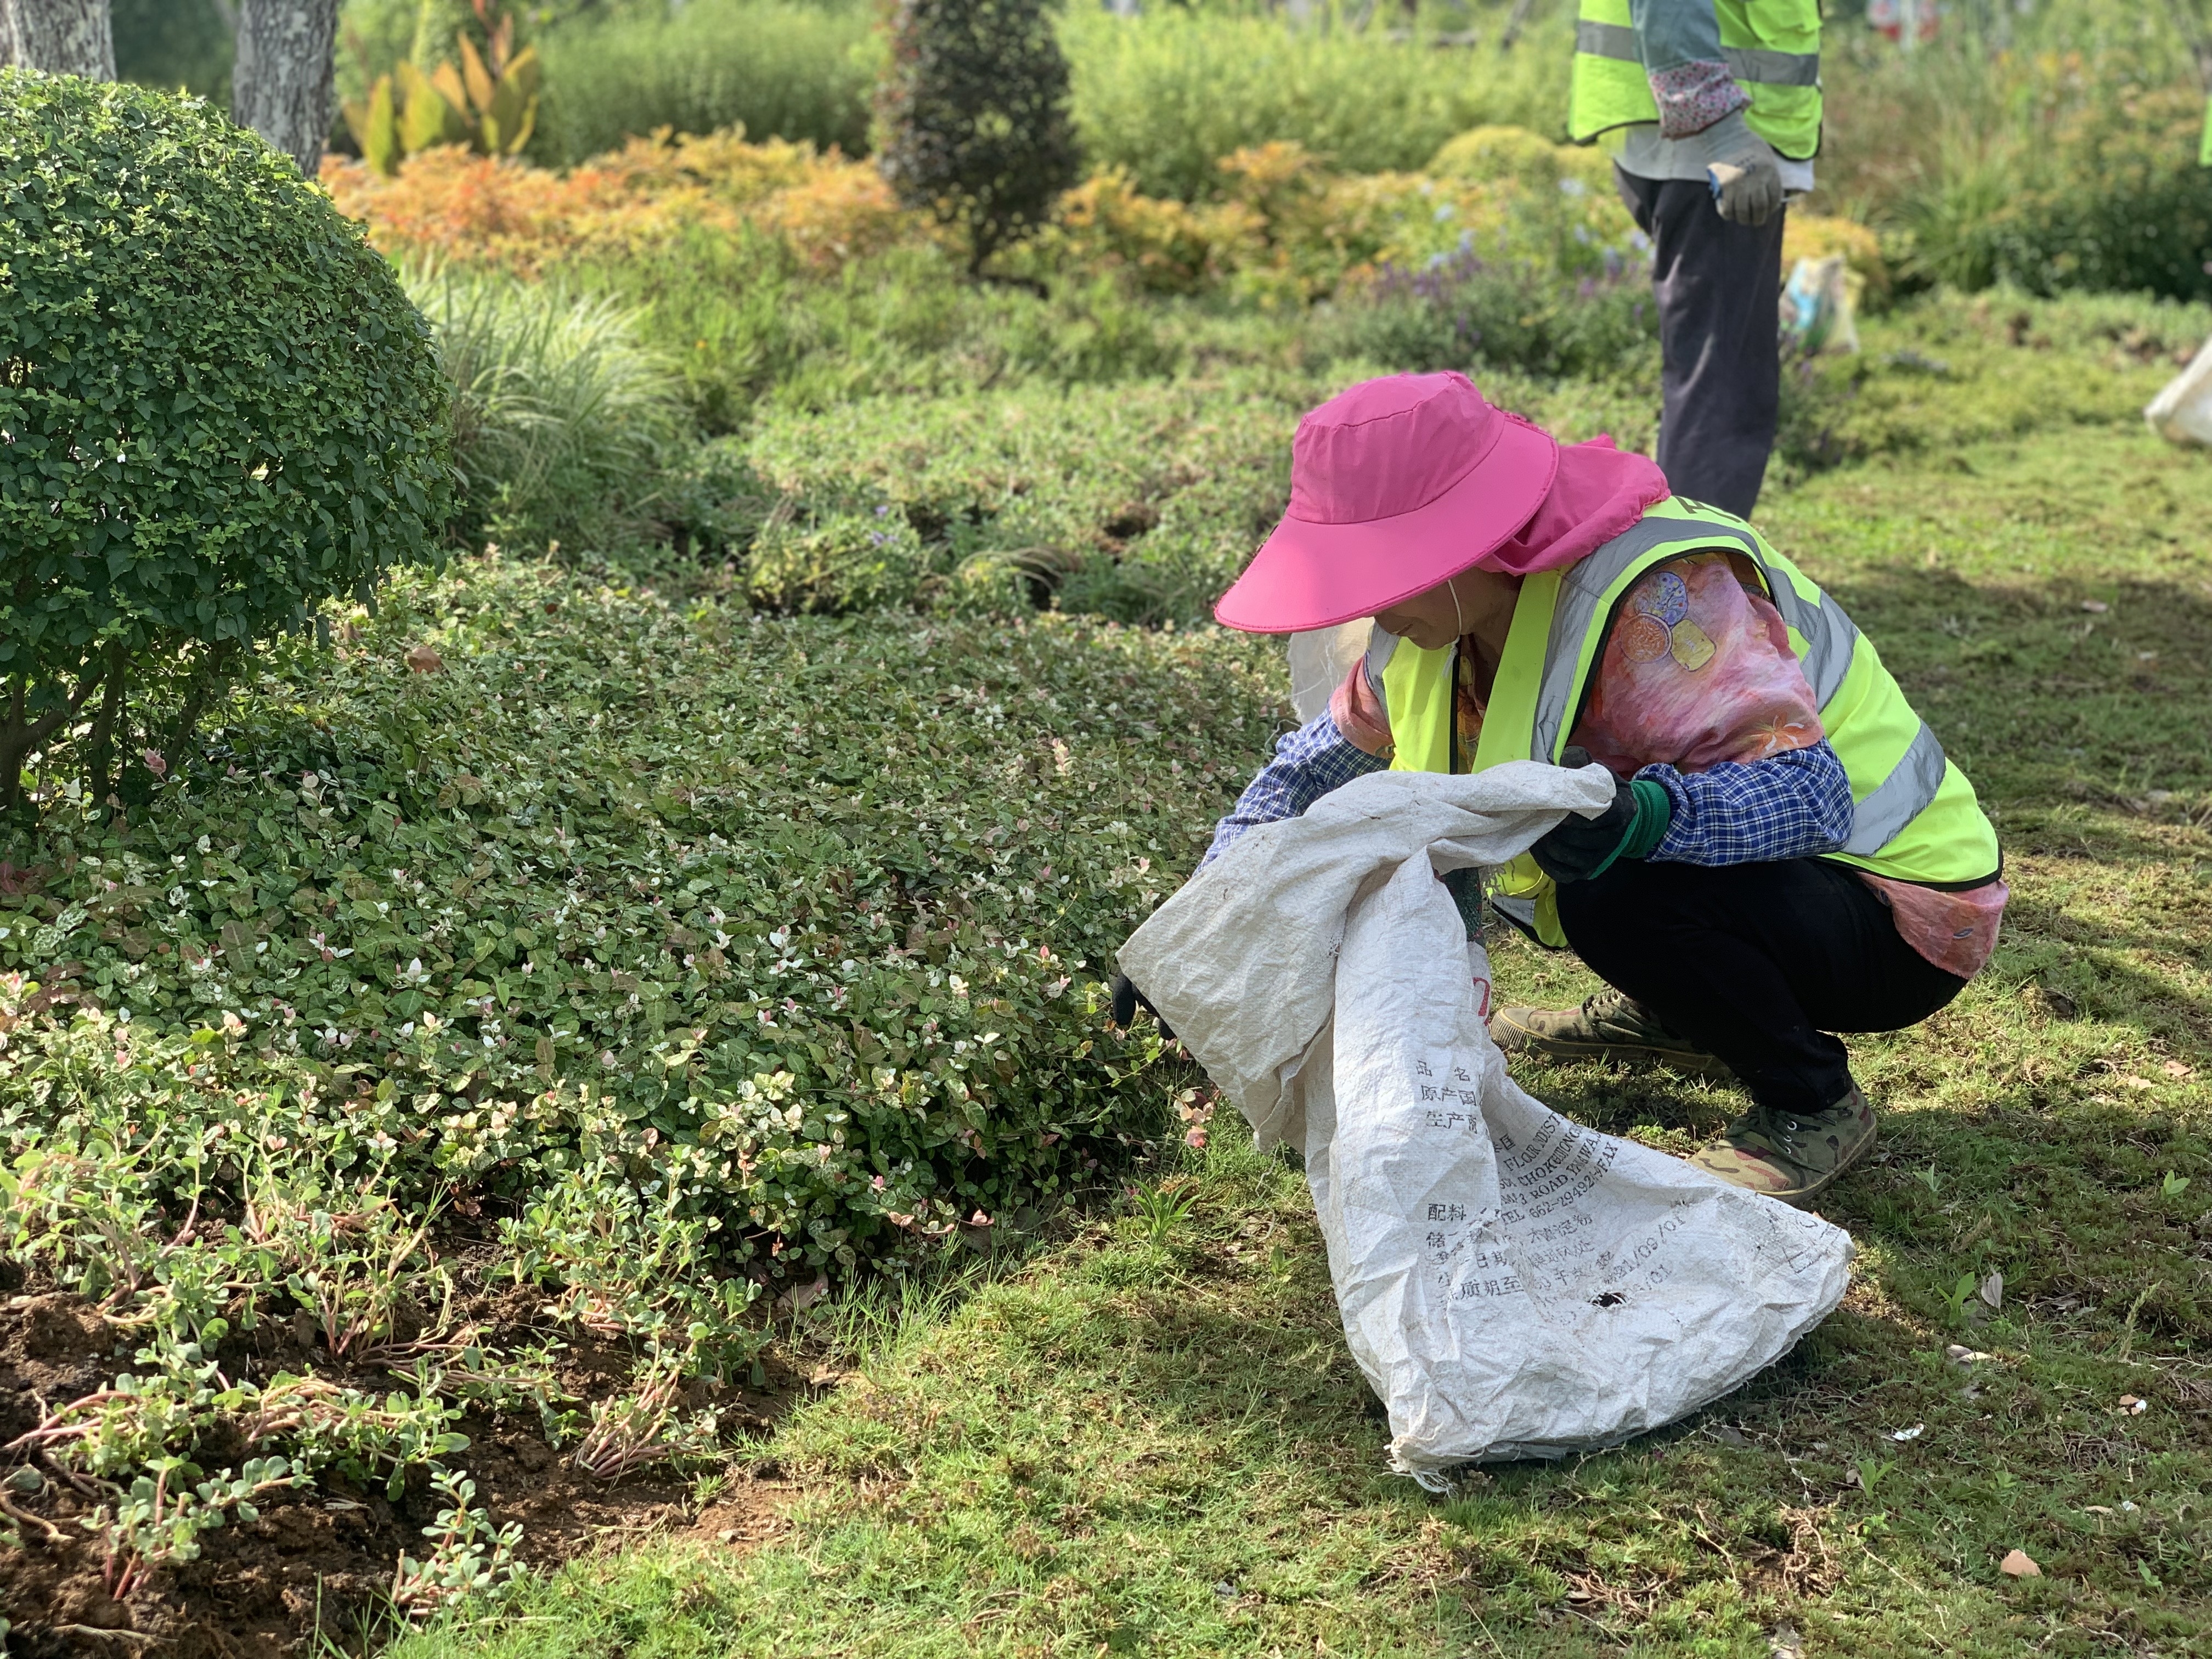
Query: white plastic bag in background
point(1512, 1284)
point(1818, 308)
point(2182, 411)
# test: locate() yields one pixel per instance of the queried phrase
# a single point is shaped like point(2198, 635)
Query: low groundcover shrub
point(797, 923)
point(509, 1020)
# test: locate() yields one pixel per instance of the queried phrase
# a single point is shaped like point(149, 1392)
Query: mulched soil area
point(317, 1563)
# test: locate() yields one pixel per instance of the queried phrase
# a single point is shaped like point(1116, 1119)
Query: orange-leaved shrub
point(453, 206)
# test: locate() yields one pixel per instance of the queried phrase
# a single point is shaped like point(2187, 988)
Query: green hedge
point(1167, 94)
point(518, 1016)
point(807, 916)
point(2116, 200)
point(740, 322)
point(1164, 95)
point(217, 411)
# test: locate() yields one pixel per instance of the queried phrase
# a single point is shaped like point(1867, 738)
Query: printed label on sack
point(1448, 1094)
point(1543, 1234)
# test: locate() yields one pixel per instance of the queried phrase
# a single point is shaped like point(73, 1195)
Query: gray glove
point(1746, 175)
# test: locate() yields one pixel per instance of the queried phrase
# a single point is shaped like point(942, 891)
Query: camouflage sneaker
point(1793, 1158)
point(1611, 1025)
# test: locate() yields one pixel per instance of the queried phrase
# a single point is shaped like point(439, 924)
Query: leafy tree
point(973, 116)
point(217, 409)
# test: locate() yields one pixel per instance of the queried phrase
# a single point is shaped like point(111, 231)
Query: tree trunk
point(63, 37)
point(282, 86)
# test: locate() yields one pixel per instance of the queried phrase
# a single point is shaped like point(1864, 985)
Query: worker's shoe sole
point(1795, 1159)
point(1608, 1029)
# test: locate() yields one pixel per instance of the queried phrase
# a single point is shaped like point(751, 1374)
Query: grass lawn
point(483, 1051)
point(1146, 1435)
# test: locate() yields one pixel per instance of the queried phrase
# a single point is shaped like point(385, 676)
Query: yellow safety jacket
point(1772, 48)
point(1916, 818)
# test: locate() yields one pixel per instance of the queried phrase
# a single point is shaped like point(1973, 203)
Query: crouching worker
point(1788, 852)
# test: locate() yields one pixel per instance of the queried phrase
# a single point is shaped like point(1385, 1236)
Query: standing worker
point(1716, 104)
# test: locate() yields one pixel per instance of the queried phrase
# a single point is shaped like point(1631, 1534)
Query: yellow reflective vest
point(1914, 815)
point(1772, 48)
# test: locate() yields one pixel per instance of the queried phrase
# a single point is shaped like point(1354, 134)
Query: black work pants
point(1757, 963)
point(1719, 289)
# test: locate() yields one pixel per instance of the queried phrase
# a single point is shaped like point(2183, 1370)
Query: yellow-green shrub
point(454, 207)
point(1515, 155)
point(1166, 246)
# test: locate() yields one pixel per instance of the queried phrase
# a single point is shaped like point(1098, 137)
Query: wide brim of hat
point(1309, 575)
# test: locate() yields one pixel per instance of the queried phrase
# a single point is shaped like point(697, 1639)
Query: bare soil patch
point(317, 1562)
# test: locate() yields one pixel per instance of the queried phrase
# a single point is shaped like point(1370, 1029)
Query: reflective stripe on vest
point(1916, 818)
point(1771, 48)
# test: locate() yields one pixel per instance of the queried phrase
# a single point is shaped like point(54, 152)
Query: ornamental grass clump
point(564, 421)
point(217, 409)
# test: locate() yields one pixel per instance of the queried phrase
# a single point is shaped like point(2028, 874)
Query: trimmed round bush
point(217, 409)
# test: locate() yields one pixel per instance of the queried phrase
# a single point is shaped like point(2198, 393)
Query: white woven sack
point(1512, 1284)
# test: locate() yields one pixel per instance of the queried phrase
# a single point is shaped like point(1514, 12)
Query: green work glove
point(1579, 848)
point(1746, 175)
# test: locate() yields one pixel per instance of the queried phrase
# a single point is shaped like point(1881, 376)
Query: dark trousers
point(1757, 963)
point(1719, 289)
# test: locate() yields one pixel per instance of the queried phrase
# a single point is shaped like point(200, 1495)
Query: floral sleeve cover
point(1697, 673)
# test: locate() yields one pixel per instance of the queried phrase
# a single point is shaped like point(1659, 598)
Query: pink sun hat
point(1395, 485)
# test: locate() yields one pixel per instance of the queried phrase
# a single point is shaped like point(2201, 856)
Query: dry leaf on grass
point(799, 1297)
point(2020, 1564)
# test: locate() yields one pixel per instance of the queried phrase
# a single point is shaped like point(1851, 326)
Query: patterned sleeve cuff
point(1791, 805)
point(1309, 762)
point(1692, 96)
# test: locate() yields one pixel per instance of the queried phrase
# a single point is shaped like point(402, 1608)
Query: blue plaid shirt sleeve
point(1789, 805)
point(1309, 762)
